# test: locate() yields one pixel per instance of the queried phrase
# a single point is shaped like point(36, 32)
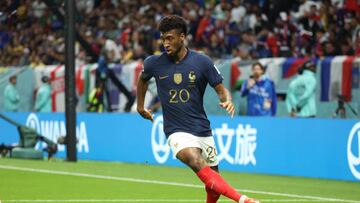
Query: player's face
point(172, 41)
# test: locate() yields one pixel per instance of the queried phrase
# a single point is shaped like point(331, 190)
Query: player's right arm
point(142, 87)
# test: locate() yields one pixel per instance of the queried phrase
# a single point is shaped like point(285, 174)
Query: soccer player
point(181, 77)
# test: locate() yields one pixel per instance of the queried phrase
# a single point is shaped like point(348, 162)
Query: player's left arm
point(225, 99)
point(215, 79)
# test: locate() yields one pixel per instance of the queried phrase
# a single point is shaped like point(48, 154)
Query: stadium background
point(32, 45)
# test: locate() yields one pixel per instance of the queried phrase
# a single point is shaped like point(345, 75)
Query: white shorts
point(181, 140)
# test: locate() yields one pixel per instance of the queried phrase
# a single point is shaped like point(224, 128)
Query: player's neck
point(180, 55)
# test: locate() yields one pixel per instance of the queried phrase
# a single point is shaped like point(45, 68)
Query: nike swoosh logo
point(163, 77)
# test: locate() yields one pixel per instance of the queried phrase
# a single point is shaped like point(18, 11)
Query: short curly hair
point(171, 22)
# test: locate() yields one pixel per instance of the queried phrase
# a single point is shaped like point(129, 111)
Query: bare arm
point(225, 99)
point(142, 87)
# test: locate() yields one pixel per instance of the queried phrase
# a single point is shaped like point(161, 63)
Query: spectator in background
point(330, 49)
point(96, 98)
point(238, 12)
point(11, 96)
point(103, 72)
point(357, 51)
point(260, 92)
point(43, 96)
point(29, 28)
point(38, 8)
point(300, 98)
point(110, 48)
point(85, 6)
point(36, 61)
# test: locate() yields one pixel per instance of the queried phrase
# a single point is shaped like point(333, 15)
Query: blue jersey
point(181, 89)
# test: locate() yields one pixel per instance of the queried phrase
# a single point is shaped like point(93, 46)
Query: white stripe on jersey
point(216, 69)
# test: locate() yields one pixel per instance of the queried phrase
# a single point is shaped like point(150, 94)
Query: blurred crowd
point(31, 33)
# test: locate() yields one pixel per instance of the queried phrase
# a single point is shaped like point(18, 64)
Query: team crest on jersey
point(177, 78)
point(192, 77)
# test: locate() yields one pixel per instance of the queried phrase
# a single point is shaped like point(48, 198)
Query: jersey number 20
point(183, 95)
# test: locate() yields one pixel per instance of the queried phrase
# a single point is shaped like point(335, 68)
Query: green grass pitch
point(92, 181)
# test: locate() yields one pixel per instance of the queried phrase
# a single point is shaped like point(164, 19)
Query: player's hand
point(229, 106)
point(146, 113)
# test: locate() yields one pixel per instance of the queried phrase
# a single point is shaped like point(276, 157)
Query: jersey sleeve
point(213, 74)
point(147, 72)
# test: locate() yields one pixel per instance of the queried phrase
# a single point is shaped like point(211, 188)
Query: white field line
point(325, 199)
point(150, 200)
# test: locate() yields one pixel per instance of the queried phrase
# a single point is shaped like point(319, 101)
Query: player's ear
point(182, 36)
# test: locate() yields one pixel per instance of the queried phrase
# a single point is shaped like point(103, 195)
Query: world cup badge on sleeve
point(177, 78)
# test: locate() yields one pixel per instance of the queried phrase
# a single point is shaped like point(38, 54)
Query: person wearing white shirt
point(112, 50)
point(237, 12)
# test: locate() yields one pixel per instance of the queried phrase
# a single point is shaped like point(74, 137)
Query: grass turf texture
point(92, 181)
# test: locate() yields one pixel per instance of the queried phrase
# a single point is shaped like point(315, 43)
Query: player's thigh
point(187, 148)
point(181, 140)
point(209, 152)
point(203, 146)
point(192, 157)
